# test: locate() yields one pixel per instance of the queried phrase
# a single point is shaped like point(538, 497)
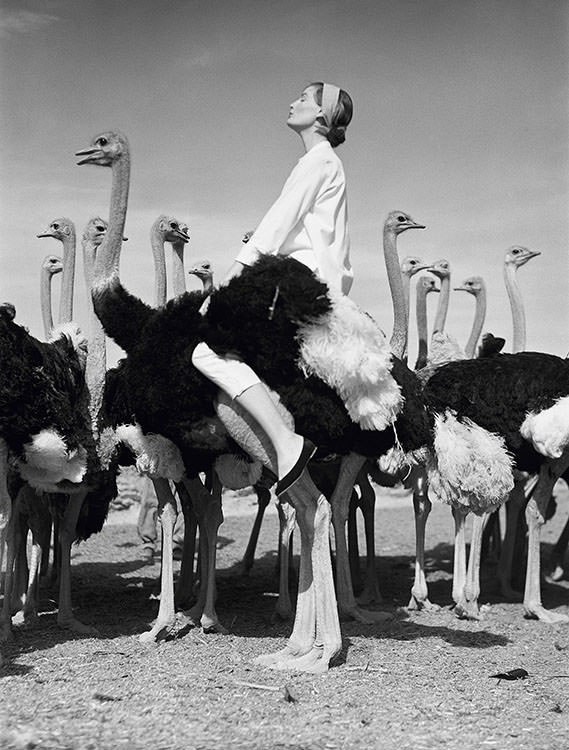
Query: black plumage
point(497, 393)
point(43, 387)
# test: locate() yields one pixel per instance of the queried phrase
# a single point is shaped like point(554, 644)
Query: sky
point(460, 119)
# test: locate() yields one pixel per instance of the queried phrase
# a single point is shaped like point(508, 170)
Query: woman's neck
point(310, 139)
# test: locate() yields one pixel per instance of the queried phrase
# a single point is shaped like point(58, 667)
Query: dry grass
point(420, 680)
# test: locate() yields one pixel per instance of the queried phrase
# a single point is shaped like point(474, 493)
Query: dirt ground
point(419, 680)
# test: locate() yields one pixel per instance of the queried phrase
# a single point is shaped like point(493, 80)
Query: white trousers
point(229, 373)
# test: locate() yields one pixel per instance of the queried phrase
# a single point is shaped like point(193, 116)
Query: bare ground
point(421, 680)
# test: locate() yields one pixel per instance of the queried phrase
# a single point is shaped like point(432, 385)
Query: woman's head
point(325, 106)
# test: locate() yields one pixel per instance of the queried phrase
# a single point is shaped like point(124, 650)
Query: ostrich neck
point(398, 341)
point(108, 255)
point(97, 350)
point(45, 300)
point(207, 286)
point(157, 243)
point(517, 308)
point(178, 278)
point(68, 278)
point(479, 316)
point(422, 332)
point(442, 308)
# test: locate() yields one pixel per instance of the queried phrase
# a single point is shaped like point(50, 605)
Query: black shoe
point(284, 484)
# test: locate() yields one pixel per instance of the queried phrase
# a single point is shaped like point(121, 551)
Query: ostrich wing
point(122, 315)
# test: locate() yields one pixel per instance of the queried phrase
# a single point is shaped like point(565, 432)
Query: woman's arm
point(296, 199)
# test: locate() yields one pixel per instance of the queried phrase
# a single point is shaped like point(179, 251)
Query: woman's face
point(304, 110)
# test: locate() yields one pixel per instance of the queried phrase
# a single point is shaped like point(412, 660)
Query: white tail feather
point(469, 465)
point(548, 430)
point(47, 461)
point(349, 352)
point(156, 456)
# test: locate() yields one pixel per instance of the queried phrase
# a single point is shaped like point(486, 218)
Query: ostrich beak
point(88, 154)
point(45, 234)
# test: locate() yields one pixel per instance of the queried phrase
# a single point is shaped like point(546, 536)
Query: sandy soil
point(419, 680)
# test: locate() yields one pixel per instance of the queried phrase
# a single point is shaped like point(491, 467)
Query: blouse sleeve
point(296, 199)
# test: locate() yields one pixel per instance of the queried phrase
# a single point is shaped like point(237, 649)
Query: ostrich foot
point(6, 633)
point(365, 616)
point(314, 662)
point(417, 604)
point(68, 622)
point(370, 595)
point(288, 653)
point(162, 629)
point(282, 613)
point(212, 625)
point(467, 610)
point(538, 612)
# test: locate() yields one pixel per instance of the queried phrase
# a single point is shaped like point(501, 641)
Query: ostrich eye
point(516, 251)
point(100, 228)
point(173, 225)
point(401, 218)
point(102, 141)
point(55, 226)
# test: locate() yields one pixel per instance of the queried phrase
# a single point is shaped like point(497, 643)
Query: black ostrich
point(172, 398)
point(44, 423)
point(522, 398)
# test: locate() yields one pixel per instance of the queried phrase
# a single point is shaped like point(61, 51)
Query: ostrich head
point(517, 256)
point(7, 311)
point(59, 229)
point(399, 221)
point(440, 269)
point(171, 230)
point(95, 230)
point(473, 285)
point(412, 265)
point(52, 264)
point(105, 148)
point(426, 284)
point(203, 270)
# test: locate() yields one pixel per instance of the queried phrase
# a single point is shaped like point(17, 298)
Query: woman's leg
point(241, 383)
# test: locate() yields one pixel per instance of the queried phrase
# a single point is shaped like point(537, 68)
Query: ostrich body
point(171, 398)
point(522, 398)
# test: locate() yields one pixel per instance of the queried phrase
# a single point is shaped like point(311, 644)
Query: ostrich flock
point(474, 428)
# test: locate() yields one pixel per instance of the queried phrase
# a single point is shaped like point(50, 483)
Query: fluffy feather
point(469, 466)
point(444, 348)
point(47, 461)
point(156, 456)
point(348, 351)
point(548, 430)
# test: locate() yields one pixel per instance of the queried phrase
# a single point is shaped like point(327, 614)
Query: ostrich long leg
point(559, 550)
point(353, 545)
point(371, 593)
point(263, 500)
point(5, 499)
point(422, 508)
point(349, 469)
point(516, 502)
point(467, 608)
point(185, 586)
point(535, 516)
point(68, 533)
point(316, 636)
point(459, 566)
point(210, 517)
point(6, 615)
point(167, 513)
point(287, 522)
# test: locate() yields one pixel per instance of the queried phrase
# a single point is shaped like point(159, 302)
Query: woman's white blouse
point(309, 220)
